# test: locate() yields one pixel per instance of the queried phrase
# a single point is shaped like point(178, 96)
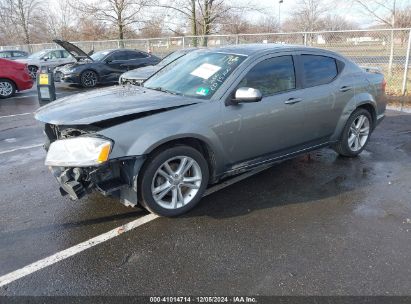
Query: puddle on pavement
point(370, 211)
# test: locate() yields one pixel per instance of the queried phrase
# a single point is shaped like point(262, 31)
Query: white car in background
point(51, 58)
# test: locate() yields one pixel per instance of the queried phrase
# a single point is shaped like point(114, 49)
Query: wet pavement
point(315, 225)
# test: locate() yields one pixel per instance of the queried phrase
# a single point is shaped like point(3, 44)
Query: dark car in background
point(14, 76)
point(13, 54)
point(212, 114)
point(103, 67)
point(138, 76)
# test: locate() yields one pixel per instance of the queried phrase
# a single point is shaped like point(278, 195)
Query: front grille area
point(55, 132)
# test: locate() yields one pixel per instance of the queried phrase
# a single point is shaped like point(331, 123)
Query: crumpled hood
point(141, 73)
point(103, 104)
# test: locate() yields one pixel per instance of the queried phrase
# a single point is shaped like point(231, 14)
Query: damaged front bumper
point(117, 178)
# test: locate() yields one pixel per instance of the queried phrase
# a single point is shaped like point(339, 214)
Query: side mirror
point(45, 58)
point(244, 95)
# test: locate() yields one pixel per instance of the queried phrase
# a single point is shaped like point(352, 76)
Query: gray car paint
point(142, 73)
point(238, 136)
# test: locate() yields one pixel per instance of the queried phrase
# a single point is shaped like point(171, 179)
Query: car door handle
point(293, 100)
point(345, 88)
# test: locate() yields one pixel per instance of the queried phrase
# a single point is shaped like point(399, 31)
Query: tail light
point(383, 85)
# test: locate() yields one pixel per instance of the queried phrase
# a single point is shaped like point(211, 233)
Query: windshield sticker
point(202, 91)
point(205, 70)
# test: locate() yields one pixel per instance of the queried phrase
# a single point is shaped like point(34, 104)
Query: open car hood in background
point(74, 51)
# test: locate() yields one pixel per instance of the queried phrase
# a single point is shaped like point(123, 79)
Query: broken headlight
point(78, 152)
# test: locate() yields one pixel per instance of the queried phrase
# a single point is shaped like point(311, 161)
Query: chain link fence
point(386, 49)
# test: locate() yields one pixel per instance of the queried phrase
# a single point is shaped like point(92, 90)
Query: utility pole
point(279, 13)
point(390, 63)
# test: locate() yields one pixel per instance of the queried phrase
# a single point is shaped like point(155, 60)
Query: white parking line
point(62, 255)
point(21, 148)
point(14, 115)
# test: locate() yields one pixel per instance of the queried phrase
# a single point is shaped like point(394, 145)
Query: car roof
point(252, 49)
point(1, 51)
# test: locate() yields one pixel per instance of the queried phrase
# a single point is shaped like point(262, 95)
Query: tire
point(88, 79)
point(178, 193)
point(57, 76)
point(33, 71)
point(346, 146)
point(7, 88)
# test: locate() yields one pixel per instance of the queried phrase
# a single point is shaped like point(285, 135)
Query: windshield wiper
point(165, 90)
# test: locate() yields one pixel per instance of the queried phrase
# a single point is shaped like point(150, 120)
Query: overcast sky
point(342, 7)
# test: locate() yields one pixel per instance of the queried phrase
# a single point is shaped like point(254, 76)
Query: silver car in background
point(211, 114)
point(50, 58)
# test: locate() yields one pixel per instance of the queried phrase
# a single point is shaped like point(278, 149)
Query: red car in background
point(14, 76)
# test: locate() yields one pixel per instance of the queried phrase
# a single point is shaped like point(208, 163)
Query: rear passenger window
point(18, 54)
point(318, 70)
point(271, 76)
point(136, 55)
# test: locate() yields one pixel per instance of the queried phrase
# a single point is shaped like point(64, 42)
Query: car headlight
point(78, 152)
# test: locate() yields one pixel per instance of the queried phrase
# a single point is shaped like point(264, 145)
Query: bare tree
point(120, 13)
point(205, 16)
point(22, 14)
point(308, 15)
point(62, 21)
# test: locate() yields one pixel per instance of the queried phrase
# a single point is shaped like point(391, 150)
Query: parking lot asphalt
point(315, 225)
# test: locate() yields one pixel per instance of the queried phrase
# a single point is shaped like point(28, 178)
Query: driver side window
point(271, 76)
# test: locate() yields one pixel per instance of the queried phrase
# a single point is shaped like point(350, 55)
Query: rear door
point(137, 60)
point(326, 91)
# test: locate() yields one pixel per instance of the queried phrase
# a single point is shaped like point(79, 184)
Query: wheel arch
point(12, 81)
point(199, 144)
point(371, 108)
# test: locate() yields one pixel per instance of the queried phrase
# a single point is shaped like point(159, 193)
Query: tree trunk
point(206, 22)
point(194, 22)
point(121, 34)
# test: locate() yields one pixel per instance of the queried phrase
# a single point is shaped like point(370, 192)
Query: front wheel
point(173, 181)
point(7, 88)
point(356, 134)
point(88, 79)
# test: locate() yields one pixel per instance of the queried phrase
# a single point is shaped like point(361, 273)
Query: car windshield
point(99, 55)
point(171, 57)
point(38, 55)
point(197, 74)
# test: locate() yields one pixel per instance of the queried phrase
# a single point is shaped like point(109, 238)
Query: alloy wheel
point(359, 132)
point(32, 72)
point(6, 88)
point(176, 182)
point(89, 79)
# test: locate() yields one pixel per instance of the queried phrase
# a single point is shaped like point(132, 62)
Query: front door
point(273, 125)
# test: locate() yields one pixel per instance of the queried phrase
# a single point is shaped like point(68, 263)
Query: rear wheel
point(173, 181)
point(7, 88)
point(356, 134)
point(88, 79)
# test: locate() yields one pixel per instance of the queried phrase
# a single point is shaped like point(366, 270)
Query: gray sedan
point(210, 114)
point(138, 76)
